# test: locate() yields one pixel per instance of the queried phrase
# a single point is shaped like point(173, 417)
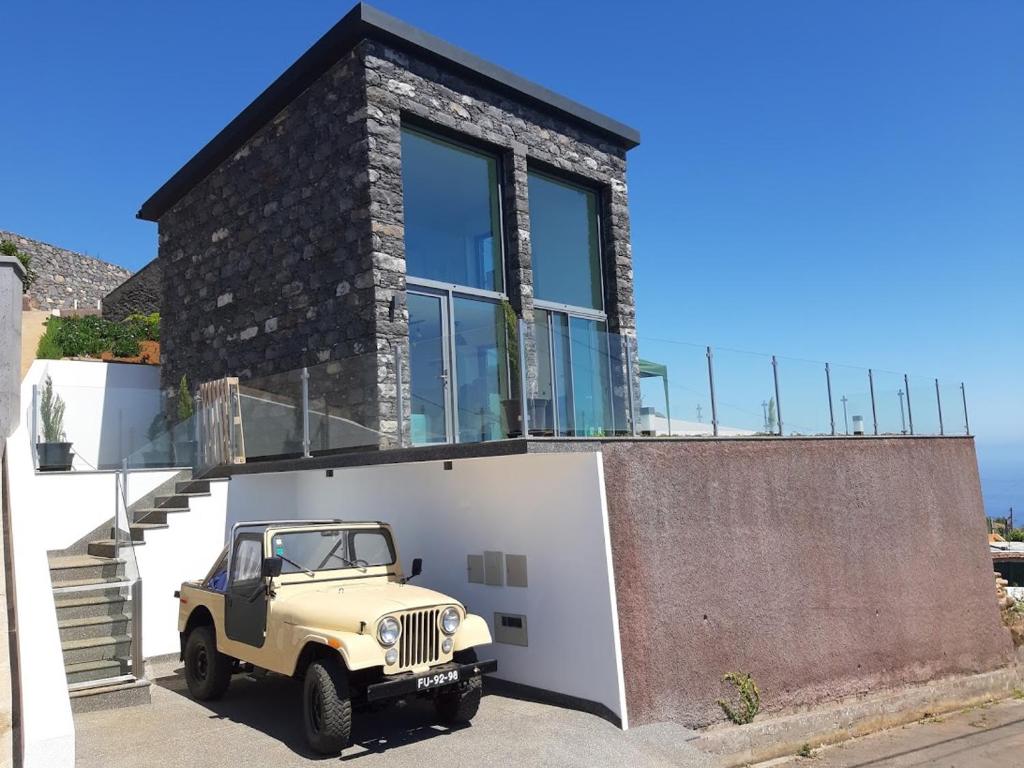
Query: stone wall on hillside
point(139, 294)
point(64, 277)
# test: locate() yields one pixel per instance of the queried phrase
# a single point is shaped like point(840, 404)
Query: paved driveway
point(258, 724)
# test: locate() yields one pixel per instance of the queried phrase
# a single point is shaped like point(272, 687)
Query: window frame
point(598, 191)
point(437, 133)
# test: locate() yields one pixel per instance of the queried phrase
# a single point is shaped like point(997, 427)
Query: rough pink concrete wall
point(823, 567)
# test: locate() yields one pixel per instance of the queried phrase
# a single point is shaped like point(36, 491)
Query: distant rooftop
point(363, 22)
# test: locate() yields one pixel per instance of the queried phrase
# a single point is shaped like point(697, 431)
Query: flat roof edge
point(362, 22)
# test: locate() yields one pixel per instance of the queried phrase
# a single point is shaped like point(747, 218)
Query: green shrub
point(185, 403)
point(1017, 534)
point(91, 335)
point(48, 349)
point(51, 410)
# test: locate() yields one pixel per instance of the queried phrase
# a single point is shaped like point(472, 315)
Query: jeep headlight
point(388, 631)
point(450, 620)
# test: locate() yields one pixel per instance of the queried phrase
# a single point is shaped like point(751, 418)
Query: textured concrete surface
point(825, 568)
point(33, 326)
point(257, 723)
point(990, 736)
point(11, 273)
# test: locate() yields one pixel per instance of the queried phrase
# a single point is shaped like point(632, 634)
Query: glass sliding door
point(574, 370)
point(458, 374)
point(428, 369)
point(481, 369)
point(591, 379)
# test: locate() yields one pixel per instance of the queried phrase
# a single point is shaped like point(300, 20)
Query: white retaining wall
point(550, 508)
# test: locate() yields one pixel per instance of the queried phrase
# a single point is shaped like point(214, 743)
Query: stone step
point(83, 606)
point(84, 568)
point(106, 548)
point(155, 514)
point(93, 626)
point(192, 486)
point(177, 500)
point(138, 530)
point(96, 649)
point(129, 694)
point(86, 671)
point(67, 588)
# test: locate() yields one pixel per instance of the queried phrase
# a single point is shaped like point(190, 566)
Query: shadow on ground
point(273, 705)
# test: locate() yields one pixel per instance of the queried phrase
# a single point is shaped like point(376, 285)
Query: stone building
point(140, 294)
point(392, 205)
point(66, 279)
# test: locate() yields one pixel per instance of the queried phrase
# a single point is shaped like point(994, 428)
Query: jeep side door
point(245, 600)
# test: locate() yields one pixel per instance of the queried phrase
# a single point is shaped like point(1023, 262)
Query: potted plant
point(539, 408)
point(54, 452)
point(185, 446)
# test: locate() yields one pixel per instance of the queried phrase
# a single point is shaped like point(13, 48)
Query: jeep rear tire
point(207, 671)
point(460, 703)
point(326, 706)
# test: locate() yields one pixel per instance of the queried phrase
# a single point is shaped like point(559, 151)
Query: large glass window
point(452, 213)
point(564, 243)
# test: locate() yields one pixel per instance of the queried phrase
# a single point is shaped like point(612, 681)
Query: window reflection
point(452, 222)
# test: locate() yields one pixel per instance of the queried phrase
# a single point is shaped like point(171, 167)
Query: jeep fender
point(473, 632)
point(357, 651)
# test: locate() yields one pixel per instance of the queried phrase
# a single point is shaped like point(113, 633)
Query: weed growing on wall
point(749, 698)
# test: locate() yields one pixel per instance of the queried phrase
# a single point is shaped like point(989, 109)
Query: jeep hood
point(343, 608)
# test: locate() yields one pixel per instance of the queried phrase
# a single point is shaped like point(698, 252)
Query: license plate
point(438, 679)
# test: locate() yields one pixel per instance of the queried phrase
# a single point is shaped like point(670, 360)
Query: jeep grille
point(420, 641)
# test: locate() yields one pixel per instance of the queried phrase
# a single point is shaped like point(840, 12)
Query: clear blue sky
point(825, 180)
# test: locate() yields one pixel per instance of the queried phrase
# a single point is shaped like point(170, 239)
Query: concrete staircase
point(95, 609)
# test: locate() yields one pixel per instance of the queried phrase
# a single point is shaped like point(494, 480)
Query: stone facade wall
point(400, 86)
point(139, 294)
point(64, 276)
point(266, 262)
point(823, 567)
point(292, 252)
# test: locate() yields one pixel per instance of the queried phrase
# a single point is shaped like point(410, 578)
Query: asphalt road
point(257, 723)
point(989, 736)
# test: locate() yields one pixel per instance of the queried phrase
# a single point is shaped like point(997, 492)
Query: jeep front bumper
point(436, 677)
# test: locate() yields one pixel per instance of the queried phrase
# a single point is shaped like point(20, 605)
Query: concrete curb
point(784, 735)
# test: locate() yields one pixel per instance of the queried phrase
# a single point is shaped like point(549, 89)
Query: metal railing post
point(629, 385)
point(524, 418)
point(938, 403)
point(138, 660)
point(874, 410)
point(778, 402)
point(305, 413)
point(399, 396)
point(963, 396)
point(831, 409)
point(910, 413)
point(117, 515)
point(711, 386)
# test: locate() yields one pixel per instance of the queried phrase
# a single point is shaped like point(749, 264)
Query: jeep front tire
point(460, 702)
point(326, 706)
point(207, 671)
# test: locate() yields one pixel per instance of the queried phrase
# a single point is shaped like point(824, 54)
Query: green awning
point(649, 369)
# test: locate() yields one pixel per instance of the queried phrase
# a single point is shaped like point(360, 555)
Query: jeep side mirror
point(271, 567)
point(417, 568)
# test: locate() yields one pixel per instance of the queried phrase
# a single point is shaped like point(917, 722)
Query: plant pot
point(54, 457)
point(185, 453)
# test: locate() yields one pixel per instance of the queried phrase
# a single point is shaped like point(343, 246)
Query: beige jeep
point(325, 602)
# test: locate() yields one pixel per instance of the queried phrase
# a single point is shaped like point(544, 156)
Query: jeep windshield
point(331, 549)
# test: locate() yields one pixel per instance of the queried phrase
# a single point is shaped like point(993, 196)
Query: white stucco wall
point(550, 508)
point(184, 550)
point(109, 406)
